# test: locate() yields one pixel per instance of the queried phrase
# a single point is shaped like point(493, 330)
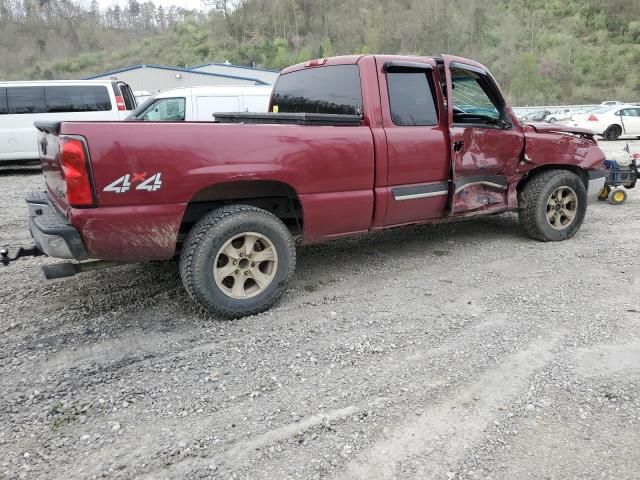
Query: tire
point(552, 120)
point(617, 197)
point(241, 231)
point(612, 133)
point(538, 201)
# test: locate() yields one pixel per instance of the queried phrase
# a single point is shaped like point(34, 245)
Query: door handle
point(457, 146)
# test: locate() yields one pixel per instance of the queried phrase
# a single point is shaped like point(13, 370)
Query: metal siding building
point(268, 76)
point(155, 78)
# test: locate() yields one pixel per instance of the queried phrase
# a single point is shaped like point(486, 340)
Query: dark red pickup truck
point(352, 144)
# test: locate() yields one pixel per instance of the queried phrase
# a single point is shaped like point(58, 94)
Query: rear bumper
point(51, 231)
point(596, 182)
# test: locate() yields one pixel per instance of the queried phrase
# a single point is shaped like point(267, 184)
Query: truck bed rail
point(326, 119)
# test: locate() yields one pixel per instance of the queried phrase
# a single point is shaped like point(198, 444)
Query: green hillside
point(541, 51)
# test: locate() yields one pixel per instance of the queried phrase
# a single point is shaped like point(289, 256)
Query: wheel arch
point(613, 125)
point(276, 197)
point(545, 168)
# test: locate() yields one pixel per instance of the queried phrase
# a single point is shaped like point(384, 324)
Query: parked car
point(358, 144)
point(23, 103)
point(535, 116)
point(198, 104)
point(611, 103)
point(559, 115)
point(611, 122)
point(142, 96)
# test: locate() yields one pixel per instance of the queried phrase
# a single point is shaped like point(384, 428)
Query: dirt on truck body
point(352, 145)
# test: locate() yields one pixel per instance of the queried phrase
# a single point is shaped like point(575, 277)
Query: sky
point(190, 4)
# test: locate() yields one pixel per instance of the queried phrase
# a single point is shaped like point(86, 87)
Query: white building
point(266, 75)
point(154, 78)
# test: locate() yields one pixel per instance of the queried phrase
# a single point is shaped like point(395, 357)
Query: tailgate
point(49, 150)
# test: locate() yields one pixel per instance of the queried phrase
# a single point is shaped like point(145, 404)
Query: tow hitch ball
point(32, 251)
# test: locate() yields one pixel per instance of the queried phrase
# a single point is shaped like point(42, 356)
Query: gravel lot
point(453, 351)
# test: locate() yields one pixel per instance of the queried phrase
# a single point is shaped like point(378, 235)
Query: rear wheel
point(236, 260)
point(617, 197)
point(552, 205)
point(612, 133)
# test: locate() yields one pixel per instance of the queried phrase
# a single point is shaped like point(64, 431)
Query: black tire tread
point(528, 203)
point(203, 228)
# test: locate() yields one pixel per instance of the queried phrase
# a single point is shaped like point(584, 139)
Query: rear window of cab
point(332, 89)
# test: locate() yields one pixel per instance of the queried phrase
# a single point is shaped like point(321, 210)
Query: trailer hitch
point(31, 251)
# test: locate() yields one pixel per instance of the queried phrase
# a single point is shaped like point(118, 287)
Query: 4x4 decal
point(125, 182)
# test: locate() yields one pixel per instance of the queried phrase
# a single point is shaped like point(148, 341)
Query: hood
point(554, 128)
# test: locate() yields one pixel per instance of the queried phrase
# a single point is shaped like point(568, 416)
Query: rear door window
point(22, 100)
point(81, 98)
point(334, 89)
point(3, 101)
point(411, 98)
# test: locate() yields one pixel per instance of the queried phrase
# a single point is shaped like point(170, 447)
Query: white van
point(198, 104)
point(23, 103)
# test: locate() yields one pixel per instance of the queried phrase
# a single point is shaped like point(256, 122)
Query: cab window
point(474, 101)
point(411, 98)
point(334, 89)
point(164, 110)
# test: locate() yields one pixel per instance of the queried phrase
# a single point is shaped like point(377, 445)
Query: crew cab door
point(486, 144)
point(417, 149)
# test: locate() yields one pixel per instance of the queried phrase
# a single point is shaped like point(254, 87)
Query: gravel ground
point(454, 351)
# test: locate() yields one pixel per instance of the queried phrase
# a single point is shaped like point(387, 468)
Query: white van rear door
point(207, 106)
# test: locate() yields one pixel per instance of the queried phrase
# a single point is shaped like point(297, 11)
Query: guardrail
point(551, 108)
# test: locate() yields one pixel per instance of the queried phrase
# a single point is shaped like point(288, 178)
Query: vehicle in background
point(535, 116)
point(23, 103)
point(559, 116)
point(142, 96)
point(611, 103)
point(611, 122)
point(351, 145)
point(199, 104)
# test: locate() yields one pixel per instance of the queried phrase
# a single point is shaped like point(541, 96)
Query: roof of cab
point(353, 59)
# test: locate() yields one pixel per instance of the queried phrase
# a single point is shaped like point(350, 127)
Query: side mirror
point(505, 124)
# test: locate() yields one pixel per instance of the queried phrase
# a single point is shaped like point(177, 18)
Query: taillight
point(592, 118)
point(120, 103)
point(73, 161)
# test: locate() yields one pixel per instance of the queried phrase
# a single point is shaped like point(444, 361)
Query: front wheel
point(236, 260)
point(552, 205)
